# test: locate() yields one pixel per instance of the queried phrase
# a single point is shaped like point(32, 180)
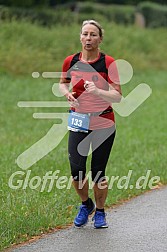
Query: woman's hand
point(90, 87)
point(72, 100)
point(113, 95)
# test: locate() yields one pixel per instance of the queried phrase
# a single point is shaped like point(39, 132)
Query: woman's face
point(90, 37)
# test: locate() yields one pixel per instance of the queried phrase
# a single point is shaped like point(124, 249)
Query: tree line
point(51, 3)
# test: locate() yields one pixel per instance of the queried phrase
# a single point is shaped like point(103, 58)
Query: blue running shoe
point(100, 220)
point(83, 214)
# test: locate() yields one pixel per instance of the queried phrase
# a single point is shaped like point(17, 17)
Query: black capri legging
point(101, 141)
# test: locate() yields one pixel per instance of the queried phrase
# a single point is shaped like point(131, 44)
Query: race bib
point(78, 122)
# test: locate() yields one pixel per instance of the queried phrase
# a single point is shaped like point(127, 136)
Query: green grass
point(140, 143)
point(26, 48)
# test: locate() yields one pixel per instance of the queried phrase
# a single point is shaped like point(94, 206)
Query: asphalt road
point(136, 226)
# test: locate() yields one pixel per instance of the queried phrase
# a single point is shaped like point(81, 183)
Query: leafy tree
point(18, 3)
point(33, 3)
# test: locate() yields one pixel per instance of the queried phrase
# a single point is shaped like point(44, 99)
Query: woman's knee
point(78, 172)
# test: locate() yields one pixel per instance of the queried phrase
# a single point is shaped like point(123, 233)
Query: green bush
point(120, 14)
point(66, 14)
point(123, 14)
point(155, 14)
point(46, 17)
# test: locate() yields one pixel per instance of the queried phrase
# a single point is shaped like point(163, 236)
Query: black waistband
point(106, 111)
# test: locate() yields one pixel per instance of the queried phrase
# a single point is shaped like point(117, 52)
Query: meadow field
point(140, 144)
